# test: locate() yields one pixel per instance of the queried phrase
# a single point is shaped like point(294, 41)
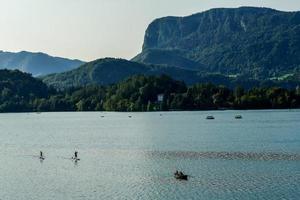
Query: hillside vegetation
point(111, 71)
point(260, 43)
point(20, 92)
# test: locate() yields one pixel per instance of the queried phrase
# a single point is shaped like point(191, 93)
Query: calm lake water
point(257, 157)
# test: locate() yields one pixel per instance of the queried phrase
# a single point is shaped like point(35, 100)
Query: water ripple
point(263, 156)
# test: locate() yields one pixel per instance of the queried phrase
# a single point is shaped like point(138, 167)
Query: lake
point(122, 157)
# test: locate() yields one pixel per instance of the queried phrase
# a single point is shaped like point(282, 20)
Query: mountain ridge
point(259, 42)
point(108, 71)
point(36, 63)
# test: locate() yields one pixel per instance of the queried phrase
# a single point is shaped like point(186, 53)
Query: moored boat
point(238, 117)
point(210, 117)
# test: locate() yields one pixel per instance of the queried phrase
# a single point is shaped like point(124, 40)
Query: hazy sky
point(90, 29)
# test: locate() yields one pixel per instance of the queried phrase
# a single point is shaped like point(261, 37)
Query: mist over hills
point(36, 63)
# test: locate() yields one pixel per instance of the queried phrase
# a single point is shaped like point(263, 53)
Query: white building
point(160, 97)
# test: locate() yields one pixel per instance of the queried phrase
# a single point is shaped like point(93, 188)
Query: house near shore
point(160, 98)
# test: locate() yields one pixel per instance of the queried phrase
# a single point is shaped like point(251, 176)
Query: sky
point(92, 29)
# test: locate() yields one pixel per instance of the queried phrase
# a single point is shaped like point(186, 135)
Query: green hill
point(18, 88)
point(110, 70)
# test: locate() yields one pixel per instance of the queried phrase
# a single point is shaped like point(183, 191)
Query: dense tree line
point(19, 92)
point(18, 89)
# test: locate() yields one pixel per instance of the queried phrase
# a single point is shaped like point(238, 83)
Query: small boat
point(130, 116)
point(238, 117)
point(180, 176)
point(210, 117)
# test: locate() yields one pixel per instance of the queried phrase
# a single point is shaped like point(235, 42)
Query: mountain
point(36, 63)
point(110, 70)
point(167, 57)
point(260, 43)
point(244, 46)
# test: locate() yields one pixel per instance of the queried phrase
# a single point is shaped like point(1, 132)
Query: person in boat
point(179, 173)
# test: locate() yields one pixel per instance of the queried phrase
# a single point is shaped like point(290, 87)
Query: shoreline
point(166, 111)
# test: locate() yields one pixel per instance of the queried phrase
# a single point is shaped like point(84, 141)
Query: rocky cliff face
point(258, 42)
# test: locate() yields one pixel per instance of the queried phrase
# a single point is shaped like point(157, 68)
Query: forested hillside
point(111, 71)
point(20, 92)
point(260, 43)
